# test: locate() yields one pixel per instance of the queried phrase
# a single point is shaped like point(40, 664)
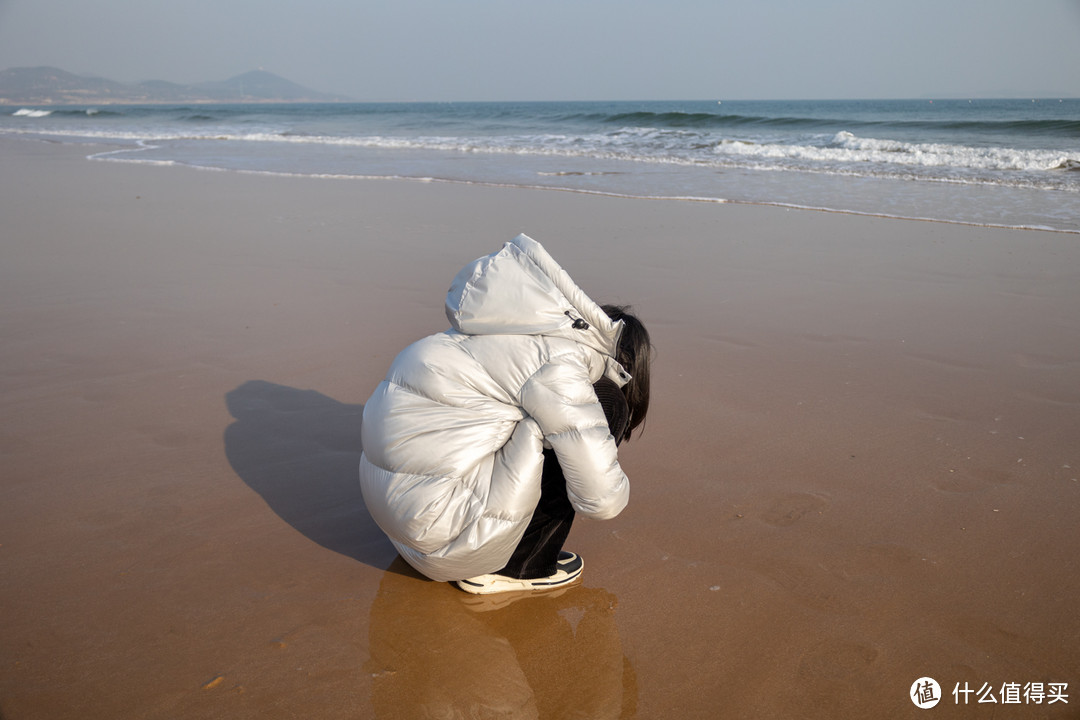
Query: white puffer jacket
point(453, 438)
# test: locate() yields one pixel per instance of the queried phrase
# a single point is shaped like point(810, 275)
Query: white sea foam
point(841, 154)
point(844, 154)
point(846, 149)
point(27, 112)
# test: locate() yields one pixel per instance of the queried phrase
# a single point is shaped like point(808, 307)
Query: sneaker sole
point(491, 584)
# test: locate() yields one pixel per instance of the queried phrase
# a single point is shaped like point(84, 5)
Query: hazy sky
point(567, 49)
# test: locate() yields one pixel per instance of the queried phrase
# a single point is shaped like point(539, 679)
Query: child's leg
point(538, 551)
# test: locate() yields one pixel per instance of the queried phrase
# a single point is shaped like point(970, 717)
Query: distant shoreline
point(53, 86)
point(7, 102)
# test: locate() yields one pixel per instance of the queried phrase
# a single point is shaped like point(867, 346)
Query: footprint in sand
point(835, 660)
point(791, 508)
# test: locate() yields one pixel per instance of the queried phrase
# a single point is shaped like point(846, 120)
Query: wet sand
point(860, 467)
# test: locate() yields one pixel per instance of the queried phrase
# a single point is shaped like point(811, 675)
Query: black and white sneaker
point(569, 567)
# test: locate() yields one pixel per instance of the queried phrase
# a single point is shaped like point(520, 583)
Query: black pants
point(537, 553)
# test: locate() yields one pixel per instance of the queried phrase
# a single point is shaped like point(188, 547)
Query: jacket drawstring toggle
point(579, 324)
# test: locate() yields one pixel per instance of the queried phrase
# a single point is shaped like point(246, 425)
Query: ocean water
point(1013, 163)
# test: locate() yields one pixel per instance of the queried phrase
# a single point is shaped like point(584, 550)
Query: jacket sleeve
point(560, 397)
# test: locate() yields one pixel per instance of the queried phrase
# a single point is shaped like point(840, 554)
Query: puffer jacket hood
point(521, 290)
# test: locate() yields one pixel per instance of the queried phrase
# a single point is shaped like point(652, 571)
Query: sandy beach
point(860, 467)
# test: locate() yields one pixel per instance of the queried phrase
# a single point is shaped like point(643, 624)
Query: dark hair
point(635, 355)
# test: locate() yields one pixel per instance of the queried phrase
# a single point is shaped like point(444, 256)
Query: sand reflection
point(439, 652)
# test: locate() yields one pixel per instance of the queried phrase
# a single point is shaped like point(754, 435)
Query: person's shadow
point(300, 451)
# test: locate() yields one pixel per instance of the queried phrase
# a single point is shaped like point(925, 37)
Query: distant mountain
point(261, 85)
point(52, 86)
